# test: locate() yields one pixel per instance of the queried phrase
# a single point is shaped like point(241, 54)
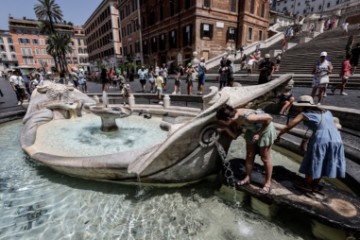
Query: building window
point(129, 29)
point(153, 44)
point(137, 47)
point(123, 32)
point(145, 47)
point(260, 35)
point(172, 39)
point(249, 35)
point(233, 5)
point(12, 49)
point(13, 57)
point(172, 8)
point(35, 41)
point(134, 5)
point(206, 30)
point(207, 3)
point(4, 56)
point(263, 10)
point(80, 51)
point(122, 16)
point(328, 5)
point(29, 52)
point(162, 42)
point(187, 4)
point(252, 7)
point(125, 51)
point(320, 7)
point(2, 48)
point(43, 51)
point(9, 40)
point(127, 10)
point(187, 35)
point(37, 51)
point(161, 11)
point(231, 34)
point(136, 24)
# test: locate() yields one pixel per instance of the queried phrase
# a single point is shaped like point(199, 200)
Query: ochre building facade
point(170, 30)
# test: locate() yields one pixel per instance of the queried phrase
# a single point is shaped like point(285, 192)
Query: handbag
point(324, 79)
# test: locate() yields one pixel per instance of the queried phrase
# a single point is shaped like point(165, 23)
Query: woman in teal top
point(260, 134)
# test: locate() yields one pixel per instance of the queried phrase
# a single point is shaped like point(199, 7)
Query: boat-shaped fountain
point(63, 131)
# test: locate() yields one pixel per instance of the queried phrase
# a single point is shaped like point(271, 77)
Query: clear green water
point(38, 203)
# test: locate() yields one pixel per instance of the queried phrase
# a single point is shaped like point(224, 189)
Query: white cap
point(267, 55)
point(323, 54)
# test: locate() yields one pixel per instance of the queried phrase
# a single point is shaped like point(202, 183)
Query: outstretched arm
point(292, 124)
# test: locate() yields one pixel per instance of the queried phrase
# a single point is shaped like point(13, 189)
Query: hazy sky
point(76, 11)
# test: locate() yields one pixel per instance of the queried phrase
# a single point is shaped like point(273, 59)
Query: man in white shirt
point(18, 85)
point(142, 73)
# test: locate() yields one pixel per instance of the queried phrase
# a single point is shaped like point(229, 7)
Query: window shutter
point(211, 30)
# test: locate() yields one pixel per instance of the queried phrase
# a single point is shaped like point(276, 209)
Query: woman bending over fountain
point(324, 156)
point(260, 135)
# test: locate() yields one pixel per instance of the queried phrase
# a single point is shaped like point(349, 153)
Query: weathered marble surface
point(188, 154)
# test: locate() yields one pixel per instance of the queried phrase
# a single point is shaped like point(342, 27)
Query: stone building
point(304, 7)
point(30, 44)
point(80, 47)
point(171, 30)
point(8, 58)
point(102, 35)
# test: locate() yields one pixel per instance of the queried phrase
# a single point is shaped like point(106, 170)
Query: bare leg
point(265, 153)
point(250, 156)
point(321, 94)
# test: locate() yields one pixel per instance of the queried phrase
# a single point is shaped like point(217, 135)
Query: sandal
point(243, 182)
point(265, 190)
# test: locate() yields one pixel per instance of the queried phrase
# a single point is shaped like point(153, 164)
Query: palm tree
point(59, 45)
point(48, 10)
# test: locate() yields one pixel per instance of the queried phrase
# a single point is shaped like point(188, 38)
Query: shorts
point(159, 91)
point(201, 79)
point(143, 81)
point(177, 82)
point(284, 98)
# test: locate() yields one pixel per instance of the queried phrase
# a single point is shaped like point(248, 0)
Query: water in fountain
point(37, 203)
point(83, 136)
point(105, 99)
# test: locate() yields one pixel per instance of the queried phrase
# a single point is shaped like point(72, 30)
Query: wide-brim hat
point(305, 101)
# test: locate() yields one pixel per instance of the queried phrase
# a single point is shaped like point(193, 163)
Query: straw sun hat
point(305, 101)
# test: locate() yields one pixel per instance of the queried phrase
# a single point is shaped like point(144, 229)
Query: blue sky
point(76, 11)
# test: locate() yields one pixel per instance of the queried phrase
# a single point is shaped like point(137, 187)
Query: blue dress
point(325, 153)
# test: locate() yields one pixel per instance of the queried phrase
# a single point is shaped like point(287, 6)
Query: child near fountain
point(159, 83)
point(260, 135)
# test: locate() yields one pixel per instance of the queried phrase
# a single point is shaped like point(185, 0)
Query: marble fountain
point(62, 131)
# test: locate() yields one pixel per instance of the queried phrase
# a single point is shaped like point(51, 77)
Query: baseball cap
point(267, 55)
point(323, 54)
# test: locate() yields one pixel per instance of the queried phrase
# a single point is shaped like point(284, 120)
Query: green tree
point(49, 13)
point(59, 45)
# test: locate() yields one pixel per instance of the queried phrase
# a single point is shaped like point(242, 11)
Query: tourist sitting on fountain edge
point(260, 135)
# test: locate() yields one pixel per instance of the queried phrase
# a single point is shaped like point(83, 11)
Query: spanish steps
point(301, 58)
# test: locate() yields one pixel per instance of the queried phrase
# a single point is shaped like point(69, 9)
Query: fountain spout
point(105, 99)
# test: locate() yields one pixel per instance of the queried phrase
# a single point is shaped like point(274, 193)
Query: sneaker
point(173, 93)
point(161, 102)
point(318, 104)
point(325, 95)
point(344, 94)
point(19, 103)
